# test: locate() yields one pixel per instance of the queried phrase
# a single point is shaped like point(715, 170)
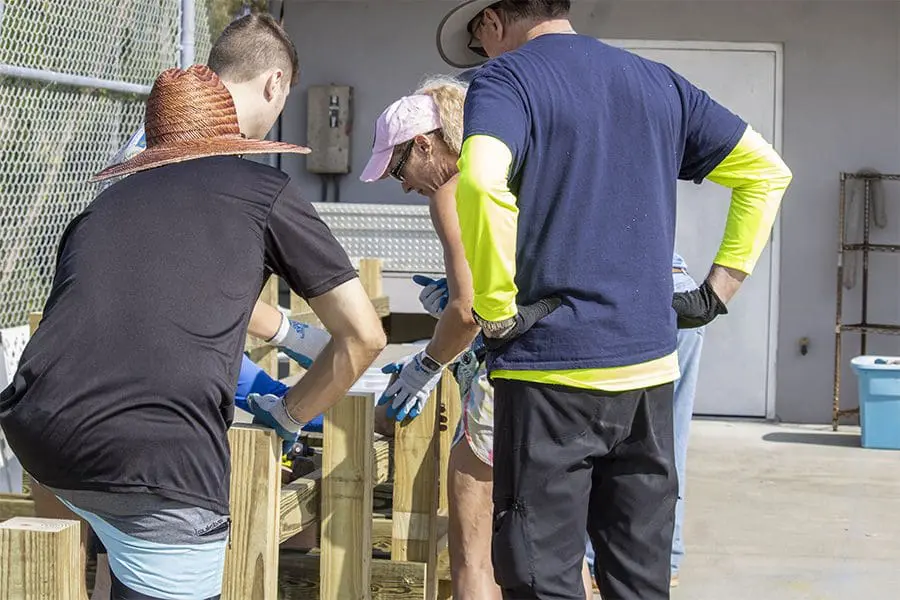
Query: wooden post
point(34, 319)
point(251, 561)
point(40, 558)
point(347, 474)
point(416, 493)
point(370, 276)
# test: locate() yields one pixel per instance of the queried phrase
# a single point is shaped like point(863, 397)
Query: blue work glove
point(417, 376)
point(434, 295)
point(269, 410)
point(301, 342)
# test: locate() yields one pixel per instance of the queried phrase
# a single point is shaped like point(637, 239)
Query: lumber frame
point(40, 558)
point(251, 561)
point(391, 580)
point(346, 515)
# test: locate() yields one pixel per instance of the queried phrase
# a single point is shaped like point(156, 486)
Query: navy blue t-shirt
point(599, 137)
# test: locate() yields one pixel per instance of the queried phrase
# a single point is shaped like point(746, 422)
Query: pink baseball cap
point(400, 122)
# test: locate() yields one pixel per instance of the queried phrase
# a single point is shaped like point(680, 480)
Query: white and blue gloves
point(434, 294)
point(301, 342)
point(269, 410)
point(417, 376)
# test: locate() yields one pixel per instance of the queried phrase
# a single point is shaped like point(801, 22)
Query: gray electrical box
point(329, 123)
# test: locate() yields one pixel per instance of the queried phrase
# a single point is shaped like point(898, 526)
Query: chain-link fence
point(73, 81)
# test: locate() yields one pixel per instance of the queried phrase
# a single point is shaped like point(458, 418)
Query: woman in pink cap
point(417, 142)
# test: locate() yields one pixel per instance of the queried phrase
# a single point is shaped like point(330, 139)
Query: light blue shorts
point(157, 547)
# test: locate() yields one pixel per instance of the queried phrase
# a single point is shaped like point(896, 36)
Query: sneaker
point(674, 580)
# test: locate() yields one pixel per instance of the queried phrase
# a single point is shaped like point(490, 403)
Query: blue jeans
point(690, 343)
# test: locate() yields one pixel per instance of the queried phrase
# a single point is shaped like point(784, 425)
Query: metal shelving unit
point(862, 327)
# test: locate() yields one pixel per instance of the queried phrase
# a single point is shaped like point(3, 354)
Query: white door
point(737, 367)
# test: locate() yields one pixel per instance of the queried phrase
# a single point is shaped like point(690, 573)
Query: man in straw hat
point(123, 397)
point(567, 186)
point(257, 61)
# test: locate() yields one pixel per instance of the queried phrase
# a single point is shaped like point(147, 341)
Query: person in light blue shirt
point(690, 344)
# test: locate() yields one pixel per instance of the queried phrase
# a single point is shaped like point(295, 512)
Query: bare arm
point(264, 321)
point(456, 328)
point(357, 339)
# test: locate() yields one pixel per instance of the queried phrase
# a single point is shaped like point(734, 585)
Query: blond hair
point(449, 94)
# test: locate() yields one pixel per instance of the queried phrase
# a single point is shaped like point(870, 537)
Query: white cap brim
point(453, 35)
point(377, 165)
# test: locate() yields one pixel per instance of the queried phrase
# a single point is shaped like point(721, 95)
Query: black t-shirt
point(128, 383)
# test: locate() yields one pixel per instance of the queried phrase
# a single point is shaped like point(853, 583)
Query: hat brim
point(165, 154)
point(453, 35)
point(377, 166)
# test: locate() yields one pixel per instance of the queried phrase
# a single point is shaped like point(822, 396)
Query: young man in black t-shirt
point(123, 397)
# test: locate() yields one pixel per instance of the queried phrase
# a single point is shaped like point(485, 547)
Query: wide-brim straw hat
point(191, 114)
point(454, 37)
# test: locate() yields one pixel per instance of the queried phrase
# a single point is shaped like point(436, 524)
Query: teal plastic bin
point(879, 401)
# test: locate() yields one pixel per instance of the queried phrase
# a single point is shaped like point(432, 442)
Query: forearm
point(454, 333)
point(758, 178)
point(264, 321)
point(488, 218)
point(341, 363)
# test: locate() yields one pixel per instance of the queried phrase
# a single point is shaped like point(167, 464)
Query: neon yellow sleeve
point(488, 220)
point(758, 178)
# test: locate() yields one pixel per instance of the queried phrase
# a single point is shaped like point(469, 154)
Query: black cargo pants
point(568, 460)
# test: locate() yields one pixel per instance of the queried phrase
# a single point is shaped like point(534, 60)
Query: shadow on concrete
point(845, 440)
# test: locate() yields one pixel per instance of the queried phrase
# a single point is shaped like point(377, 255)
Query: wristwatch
point(494, 329)
point(430, 364)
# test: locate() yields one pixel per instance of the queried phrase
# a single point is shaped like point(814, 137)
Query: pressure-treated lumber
point(416, 493)
point(251, 562)
point(300, 579)
point(40, 559)
point(15, 505)
point(299, 506)
point(370, 277)
point(346, 517)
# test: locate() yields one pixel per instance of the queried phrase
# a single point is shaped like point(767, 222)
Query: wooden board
point(299, 505)
point(416, 493)
point(40, 558)
point(299, 579)
point(15, 505)
point(251, 561)
point(346, 516)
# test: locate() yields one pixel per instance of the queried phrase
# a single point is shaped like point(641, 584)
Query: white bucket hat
point(454, 40)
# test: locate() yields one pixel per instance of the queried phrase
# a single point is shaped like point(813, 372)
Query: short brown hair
point(251, 45)
point(517, 10)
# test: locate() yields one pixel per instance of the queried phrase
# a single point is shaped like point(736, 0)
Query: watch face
point(430, 363)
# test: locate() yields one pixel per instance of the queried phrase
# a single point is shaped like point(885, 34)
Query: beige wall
point(841, 112)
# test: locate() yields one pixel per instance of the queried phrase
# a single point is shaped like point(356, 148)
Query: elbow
point(462, 313)
point(373, 340)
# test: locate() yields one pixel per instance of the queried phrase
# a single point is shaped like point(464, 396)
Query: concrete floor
point(777, 512)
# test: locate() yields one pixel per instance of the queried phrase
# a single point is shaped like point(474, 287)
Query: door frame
point(776, 49)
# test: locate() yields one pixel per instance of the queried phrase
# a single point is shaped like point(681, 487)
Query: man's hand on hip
point(701, 306)
point(497, 334)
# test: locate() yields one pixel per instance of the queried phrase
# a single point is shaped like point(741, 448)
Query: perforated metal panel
point(401, 235)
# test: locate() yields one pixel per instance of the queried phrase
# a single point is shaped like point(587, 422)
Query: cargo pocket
point(511, 549)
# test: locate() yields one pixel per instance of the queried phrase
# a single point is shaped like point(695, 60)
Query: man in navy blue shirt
point(567, 186)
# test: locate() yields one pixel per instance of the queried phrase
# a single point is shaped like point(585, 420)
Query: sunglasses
point(397, 171)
